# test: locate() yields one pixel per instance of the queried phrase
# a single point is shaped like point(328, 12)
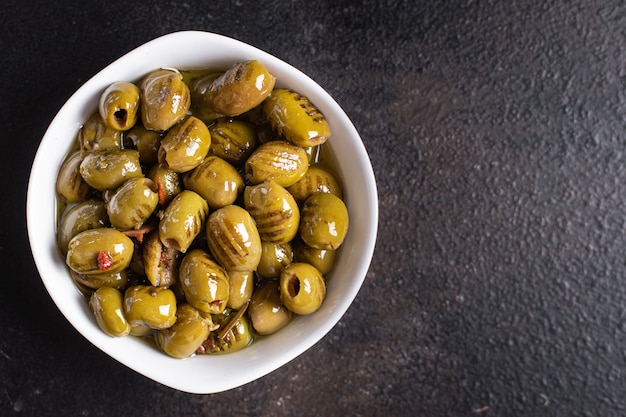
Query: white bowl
point(204, 373)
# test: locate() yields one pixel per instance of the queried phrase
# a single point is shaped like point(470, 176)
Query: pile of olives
point(199, 208)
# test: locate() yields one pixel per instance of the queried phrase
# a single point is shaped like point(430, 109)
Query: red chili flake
point(105, 261)
point(161, 192)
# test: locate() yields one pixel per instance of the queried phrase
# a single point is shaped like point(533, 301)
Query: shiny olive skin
point(106, 303)
point(186, 335)
point(108, 170)
point(168, 183)
point(200, 105)
point(274, 257)
point(96, 136)
point(266, 311)
point(240, 288)
point(242, 87)
point(277, 160)
point(274, 211)
point(99, 251)
point(322, 259)
point(236, 338)
point(160, 263)
point(153, 307)
point(165, 99)
point(186, 145)
point(233, 238)
point(70, 185)
point(146, 142)
point(295, 118)
point(232, 140)
point(302, 288)
point(324, 221)
point(119, 105)
point(93, 282)
point(217, 181)
point(315, 180)
point(183, 220)
point(88, 214)
point(204, 282)
point(133, 203)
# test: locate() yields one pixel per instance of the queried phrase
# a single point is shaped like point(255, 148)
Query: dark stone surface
point(497, 134)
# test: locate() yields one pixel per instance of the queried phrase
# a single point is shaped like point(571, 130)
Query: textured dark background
point(496, 130)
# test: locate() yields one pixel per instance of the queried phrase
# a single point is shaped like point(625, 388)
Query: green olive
point(274, 211)
point(302, 288)
point(99, 251)
point(146, 142)
point(168, 183)
point(295, 118)
point(106, 303)
point(183, 220)
point(187, 334)
point(322, 259)
point(160, 262)
point(217, 181)
point(153, 307)
point(315, 180)
point(240, 288)
point(186, 145)
point(238, 336)
point(200, 104)
point(267, 313)
point(119, 105)
point(88, 214)
point(277, 160)
point(204, 282)
point(274, 257)
point(233, 238)
point(165, 99)
point(232, 140)
point(108, 170)
point(70, 185)
point(96, 136)
point(324, 221)
point(93, 282)
point(242, 87)
point(133, 203)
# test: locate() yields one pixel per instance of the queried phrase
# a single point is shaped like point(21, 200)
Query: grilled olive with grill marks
point(165, 99)
point(108, 170)
point(274, 211)
point(204, 282)
point(182, 220)
point(168, 183)
point(217, 181)
point(324, 221)
point(88, 214)
point(277, 160)
point(185, 145)
point(232, 140)
point(70, 185)
point(160, 262)
point(99, 251)
point(96, 136)
point(315, 180)
point(133, 203)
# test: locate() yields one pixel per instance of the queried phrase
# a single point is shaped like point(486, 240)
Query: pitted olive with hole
point(322, 259)
point(240, 288)
point(96, 136)
point(183, 220)
point(277, 160)
point(119, 105)
point(70, 185)
point(274, 257)
point(302, 288)
point(315, 180)
point(187, 334)
point(324, 221)
point(274, 211)
point(146, 142)
point(204, 282)
point(160, 263)
point(233, 140)
point(267, 313)
point(107, 170)
point(106, 303)
point(99, 251)
point(88, 214)
point(185, 145)
point(234, 239)
point(215, 180)
point(295, 118)
point(241, 88)
point(165, 99)
point(168, 183)
point(153, 307)
point(133, 203)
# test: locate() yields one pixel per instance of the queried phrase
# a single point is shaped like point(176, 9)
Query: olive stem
point(222, 333)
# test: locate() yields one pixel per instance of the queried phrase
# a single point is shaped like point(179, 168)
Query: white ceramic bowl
point(205, 373)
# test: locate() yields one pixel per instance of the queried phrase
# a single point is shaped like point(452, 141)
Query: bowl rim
point(49, 262)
